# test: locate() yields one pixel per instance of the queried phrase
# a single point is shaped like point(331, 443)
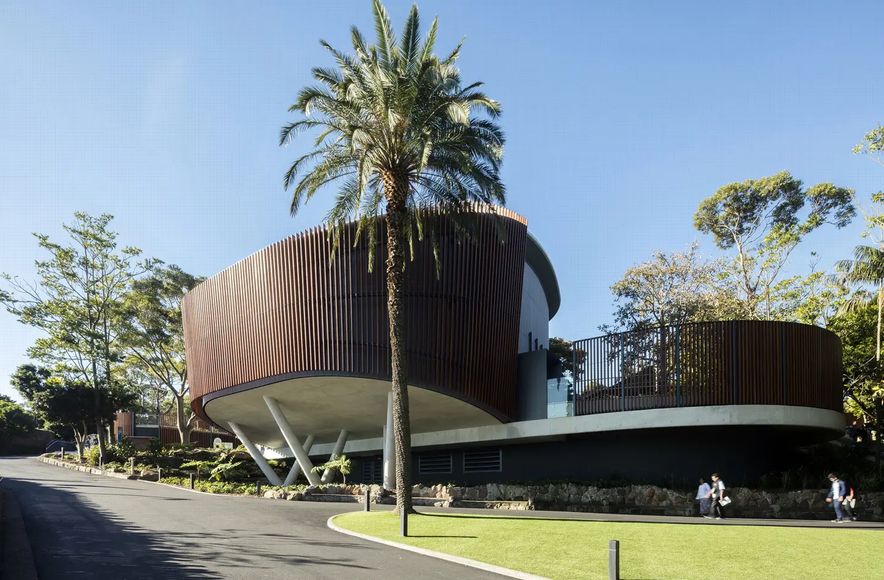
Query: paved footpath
point(95, 527)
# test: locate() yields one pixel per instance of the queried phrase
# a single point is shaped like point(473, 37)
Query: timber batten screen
point(289, 311)
point(734, 362)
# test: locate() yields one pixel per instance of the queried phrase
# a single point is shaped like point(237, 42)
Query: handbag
point(725, 501)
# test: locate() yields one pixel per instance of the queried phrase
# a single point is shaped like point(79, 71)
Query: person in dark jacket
point(836, 497)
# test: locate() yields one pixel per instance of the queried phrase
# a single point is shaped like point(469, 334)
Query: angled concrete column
point(292, 440)
point(296, 468)
point(256, 455)
point(336, 452)
point(389, 447)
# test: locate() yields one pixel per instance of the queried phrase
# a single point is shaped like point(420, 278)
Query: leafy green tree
point(866, 270)
point(153, 336)
point(14, 419)
point(863, 370)
point(77, 303)
point(872, 144)
point(668, 289)
point(29, 380)
point(71, 404)
point(397, 136)
point(562, 350)
point(763, 220)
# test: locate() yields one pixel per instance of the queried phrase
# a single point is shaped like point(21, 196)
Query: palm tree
point(398, 136)
point(867, 267)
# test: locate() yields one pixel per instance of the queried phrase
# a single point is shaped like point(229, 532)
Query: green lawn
point(579, 549)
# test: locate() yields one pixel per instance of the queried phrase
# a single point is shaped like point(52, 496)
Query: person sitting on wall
point(703, 493)
point(849, 503)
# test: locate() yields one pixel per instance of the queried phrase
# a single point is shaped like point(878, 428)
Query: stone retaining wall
point(631, 499)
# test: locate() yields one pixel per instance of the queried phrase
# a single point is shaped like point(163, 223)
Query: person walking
point(836, 497)
point(717, 494)
point(703, 493)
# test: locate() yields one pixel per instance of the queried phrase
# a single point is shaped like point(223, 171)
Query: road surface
point(95, 527)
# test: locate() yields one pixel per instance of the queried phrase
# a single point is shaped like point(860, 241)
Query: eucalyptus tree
point(872, 144)
point(764, 220)
point(153, 336)
point(669, 289)
point(76, 301)
point(402, 140)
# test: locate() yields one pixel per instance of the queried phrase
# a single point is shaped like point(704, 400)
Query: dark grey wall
point(668, 457)
point(531, 386)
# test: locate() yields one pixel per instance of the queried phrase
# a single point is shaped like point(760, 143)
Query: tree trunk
point(102, 445)
point(396, 192)
point(878, 336)
point(96, 402)
point(78, 441)
point(184, 428)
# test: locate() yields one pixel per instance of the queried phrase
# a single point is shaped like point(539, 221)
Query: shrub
point(92, 456)
point(121, 451)
point(155, 447)
point(217, 486)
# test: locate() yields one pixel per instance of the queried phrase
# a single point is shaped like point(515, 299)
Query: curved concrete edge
point(433, 554)
point(16, 556)
point(823, 420)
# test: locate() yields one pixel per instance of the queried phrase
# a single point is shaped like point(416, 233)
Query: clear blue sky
point(620, 118)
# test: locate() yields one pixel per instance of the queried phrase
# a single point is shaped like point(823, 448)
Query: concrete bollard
point(131, 466)
point(191, 481)
point(62, 453)
point(614, 560)
point(159, 473)
point(367, 499)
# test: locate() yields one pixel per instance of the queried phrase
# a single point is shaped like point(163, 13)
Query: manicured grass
point(579, 549)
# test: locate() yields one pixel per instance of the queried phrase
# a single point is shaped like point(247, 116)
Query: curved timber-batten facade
point(289, 348)
point(300, 308)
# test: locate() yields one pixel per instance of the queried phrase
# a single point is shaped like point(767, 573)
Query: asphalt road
point(95, 527)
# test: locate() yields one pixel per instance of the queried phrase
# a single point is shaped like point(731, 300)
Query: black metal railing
point(737, 362)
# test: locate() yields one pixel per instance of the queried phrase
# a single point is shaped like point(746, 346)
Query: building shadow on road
point(73, 537)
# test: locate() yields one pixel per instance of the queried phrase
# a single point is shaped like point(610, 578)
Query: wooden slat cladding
point(289, 310)
point(736, 362)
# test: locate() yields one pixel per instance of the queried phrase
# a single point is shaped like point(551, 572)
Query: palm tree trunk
point(396, 190)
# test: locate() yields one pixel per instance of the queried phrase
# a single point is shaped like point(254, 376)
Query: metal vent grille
point(483, 460)
point(434, 463)
point(372, 470)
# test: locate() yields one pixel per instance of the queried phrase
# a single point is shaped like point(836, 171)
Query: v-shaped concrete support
point(289, 435)
point(256, 455)
point(328, 474)
point(296, 468)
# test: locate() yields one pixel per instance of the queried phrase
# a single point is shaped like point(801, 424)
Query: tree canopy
point(77, 303)
point(153, 336)
point(395, 128)
point(763, 220)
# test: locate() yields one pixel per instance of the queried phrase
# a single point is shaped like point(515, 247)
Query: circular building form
point(289, 349)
